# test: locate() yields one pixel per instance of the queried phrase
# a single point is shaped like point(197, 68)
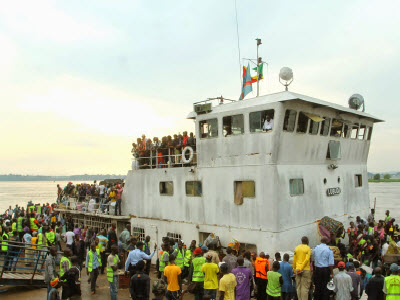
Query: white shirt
point(102, 188)
point(70, 237)
point(268, 125)
point(385, 248)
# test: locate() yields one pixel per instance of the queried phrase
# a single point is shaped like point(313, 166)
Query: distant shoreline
point(384, 180)
point(72, 178)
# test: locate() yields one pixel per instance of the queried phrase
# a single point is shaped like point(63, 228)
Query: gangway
point(22, 265)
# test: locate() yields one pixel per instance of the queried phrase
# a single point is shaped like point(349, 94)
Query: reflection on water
point(20, 192)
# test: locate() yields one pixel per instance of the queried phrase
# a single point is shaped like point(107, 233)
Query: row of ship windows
point(242, 189)
point(261, 121)
point(139, 234)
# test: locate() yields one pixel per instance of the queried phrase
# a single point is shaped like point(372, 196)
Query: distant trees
point(386, 176)
point(377, 176)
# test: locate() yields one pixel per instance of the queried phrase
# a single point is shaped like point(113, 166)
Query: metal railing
point(155, 161)
point(72, 203)
point(22, 262)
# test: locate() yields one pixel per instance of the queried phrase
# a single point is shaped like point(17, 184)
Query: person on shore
point(112, 272)
point(323, 262)
point(227, 284)
point(261, 267)
point(135, 256)
point(69, 238)
point(195, 274)
point(65, 263)
point(275, 282)
point(343, 283)
point(301, 268)
point(388, 217)
point(164, 258)
point(356, 281)
point(391, 286)
point(210, 271)
point(72, 281)
point(286, 270)
point(92, 265)
point(172, 276)
point(50, 268)
point(124, 238)
point(27, 239)
point(243, 280)
point(230, 259)
point(112, 236)
point(139, 286)
point(374, 288)
point(78, 250)
point(20, 224)
point(146, 249)
point(102, 244)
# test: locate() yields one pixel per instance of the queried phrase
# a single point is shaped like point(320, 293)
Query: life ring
point(189, 160)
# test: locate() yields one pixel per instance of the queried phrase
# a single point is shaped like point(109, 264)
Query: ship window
point(346, 131)
point(233, 125)
point(244, 189)
point(209, 128)
point(361, 132)
point(336, 129)
point(333, 150)
point(290, 120)
point(194, 188)
point(174, 236)
point(325, 126)
point(358, 180)
point(138, 233)
point(313, 127)
point(302, 123)
point(369, 133)
point(258, 120)
point(354, 131)
point(296, 187)
point(166, 188)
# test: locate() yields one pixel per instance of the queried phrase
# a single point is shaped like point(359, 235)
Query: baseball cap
point(341, 264)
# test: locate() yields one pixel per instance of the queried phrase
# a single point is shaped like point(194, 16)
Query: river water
point(387, 195)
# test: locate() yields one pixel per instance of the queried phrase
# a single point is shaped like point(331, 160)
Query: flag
point(247, 83)
point(260, 72)
point(253, 78)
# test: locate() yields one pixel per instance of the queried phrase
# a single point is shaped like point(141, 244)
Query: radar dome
point(356, 101)
point(286, 73)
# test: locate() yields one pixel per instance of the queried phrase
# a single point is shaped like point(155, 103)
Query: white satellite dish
point(286, 74)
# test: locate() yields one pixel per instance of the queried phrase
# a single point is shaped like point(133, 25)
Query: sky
point(80, 81)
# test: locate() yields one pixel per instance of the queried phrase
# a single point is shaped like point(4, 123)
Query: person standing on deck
point(118, 196)
point(323, 263)
point(301, 268)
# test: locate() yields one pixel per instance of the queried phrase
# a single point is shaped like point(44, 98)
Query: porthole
point(325, 180)
point(338, 179)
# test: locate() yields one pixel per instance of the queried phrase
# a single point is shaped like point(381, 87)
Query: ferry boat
point(264, 188)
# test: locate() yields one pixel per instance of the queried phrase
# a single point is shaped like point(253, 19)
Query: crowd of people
point(161, 153)
point(109, 196)
point(207, 270)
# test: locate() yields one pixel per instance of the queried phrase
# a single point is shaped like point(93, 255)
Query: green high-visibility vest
point(39, 210)
point(33, 224)
point(392, 287)
point(188, 258)
point(4, 245)
point(90, 261)
point(162, 263)
point(20, 224)
point(179, 258)
point(110, 272)
point(62, 271)
point(40, 240)
point(14, 227)
point(198, 262)
point(31, 208)
point(50, 238)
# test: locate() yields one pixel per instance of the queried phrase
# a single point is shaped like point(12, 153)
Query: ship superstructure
point(262, 187)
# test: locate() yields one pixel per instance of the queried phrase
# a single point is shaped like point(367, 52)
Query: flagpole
point(258, 63)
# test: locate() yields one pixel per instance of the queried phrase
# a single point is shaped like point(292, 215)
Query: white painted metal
point(273, 220)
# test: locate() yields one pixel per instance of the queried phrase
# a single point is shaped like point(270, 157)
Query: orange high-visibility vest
point(259, 266)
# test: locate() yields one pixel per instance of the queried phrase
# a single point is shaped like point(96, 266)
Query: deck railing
point(155, 161)
point(101, 208)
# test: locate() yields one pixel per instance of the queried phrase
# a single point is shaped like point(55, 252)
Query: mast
point(258, 63)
